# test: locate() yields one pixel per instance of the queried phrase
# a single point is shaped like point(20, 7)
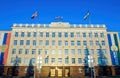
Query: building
point(59, 49)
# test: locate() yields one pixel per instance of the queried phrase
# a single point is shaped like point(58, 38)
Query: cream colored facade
point(57, 51)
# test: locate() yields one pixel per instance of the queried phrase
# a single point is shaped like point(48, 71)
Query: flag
point(34, 15)
point(87, 15)
point(58, 18)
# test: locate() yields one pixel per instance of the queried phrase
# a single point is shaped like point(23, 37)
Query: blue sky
point(101, 12)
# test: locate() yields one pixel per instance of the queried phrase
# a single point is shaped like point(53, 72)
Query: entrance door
point(59, 72)
point(66, 72)
point(52, 74)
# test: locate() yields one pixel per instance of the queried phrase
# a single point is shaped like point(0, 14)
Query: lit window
point(47, 43)
point(33, 51)
point(78, 43)
point(84, 43)
point(46, 52)
point(52, 60)
point(78, 34)
point(28, 42)
point(79, 51)
point(40, 51)
point(53, 34)
point(59, 60)
point(72, 43)
point(84, 35)
point(41, 34)
point(28, 34)
point(53, 42)
point(59, 43)
point(27, 51)
point(66, 51)
point(53, 51)
point(21, 42)
point(13, 51)
point(66, 43)
point(73, 60)
point(71, 34)
point(79, 60)
point(34, 34)
point(72, 51)
point(66, 35)
point(20, 51)
point(15, 42)
point(59, 51)
point(96, 35)
point(22, 34)
point(40, 42)
point(59, 35)
point(66, 60)
point(47, 34)
point(16, 34)
point(34, 42)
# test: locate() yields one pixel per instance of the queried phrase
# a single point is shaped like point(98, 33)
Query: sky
point(73, 11)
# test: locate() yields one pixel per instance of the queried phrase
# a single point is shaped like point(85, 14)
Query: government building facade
point(59, 49)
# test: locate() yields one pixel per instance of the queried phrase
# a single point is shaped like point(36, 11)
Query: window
point(34, 42)
point(21, 42)
point(99, 61)
point(26, 60)
point(12, 60)
point(40, 42)
point(66, 51)
point(59, 51)
point(66, 60)
point(86, 61)
point(73, 60)
point(33, 51)
point(90, 35)
point(52, 60)
point(53, 42)
point(28, 42)
point(46, 60)
point(103, 43)
point(91, 51)
point(97, 43)
point(20, 51)
point(19, 60)
point(79, 51)
point(104, 51)
point(72, 43)
point(98, 52)
point(102, 35)
point(13, 51)
point(41, 34)
point(34, 34)
point(66, 43)
point(46, 52)
point(72, 51)
point(47, 34)
point(84, 35)
point(32, 61)
point(28, 34)
point(91, 43)
point(15, 42)
point(59, 35)
point(59, 43)
point(53, 51)
point(40, 51)
point(86, 51)
point(53, 34)
point(71, 34)
point(80, 70)
point(66, 35)
point(22, 34)
point(27, 51)
point(47, 43)
point(78, 43)
point(16, 34)
point(79, 61)
point(84, 43)
point(78, 34)
point(96, 35)
point(59, 60)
